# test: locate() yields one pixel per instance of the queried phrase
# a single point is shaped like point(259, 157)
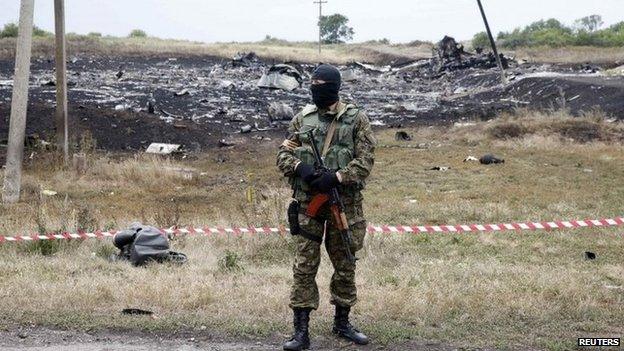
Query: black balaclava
point(325, 95)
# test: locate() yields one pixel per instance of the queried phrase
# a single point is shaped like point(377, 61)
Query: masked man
point(343, 135)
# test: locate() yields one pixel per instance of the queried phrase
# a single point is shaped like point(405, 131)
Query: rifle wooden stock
point(315, 204)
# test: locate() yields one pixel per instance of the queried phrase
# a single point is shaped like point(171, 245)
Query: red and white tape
point(237, 231)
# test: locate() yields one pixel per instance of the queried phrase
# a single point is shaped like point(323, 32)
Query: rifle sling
point(330, 136)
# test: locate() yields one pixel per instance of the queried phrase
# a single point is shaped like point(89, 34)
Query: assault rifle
point(336, 205)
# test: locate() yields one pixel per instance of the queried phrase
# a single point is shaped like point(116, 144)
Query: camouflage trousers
point(304, 292)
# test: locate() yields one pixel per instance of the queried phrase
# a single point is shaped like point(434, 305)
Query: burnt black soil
point(220, 98)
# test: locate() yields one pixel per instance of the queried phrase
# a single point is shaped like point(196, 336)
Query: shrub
point(94, 34)
point(137, 33)
point(553, 33)
point(230, 262)
point(38, 32)
point(9, 31)
point(480, 40)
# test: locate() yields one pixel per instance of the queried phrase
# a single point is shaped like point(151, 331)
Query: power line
point(320, 3)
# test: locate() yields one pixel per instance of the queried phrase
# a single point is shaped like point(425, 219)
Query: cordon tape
point(384, 229)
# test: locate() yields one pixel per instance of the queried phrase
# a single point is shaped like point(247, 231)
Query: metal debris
point(490, 159)
point(162, 149)
point(281, 76)
point(279, 111)
point(402, 136)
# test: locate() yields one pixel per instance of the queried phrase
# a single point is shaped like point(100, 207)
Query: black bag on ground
point(141, 244)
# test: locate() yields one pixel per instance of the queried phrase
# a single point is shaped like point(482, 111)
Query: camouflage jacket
point(354, 172)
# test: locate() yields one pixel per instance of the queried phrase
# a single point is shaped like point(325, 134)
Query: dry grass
point(268, 50)
point(571, 55)
point(505, 290)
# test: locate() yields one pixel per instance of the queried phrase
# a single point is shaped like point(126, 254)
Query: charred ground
point(200, 100)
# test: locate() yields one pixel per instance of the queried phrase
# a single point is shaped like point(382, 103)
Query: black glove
point(306, 172)
point(325, 182)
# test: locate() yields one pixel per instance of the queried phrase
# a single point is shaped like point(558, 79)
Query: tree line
point(586, 31)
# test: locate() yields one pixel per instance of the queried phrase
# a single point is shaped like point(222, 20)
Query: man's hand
point(290, 145)
point(325, 182)
point(306, 172)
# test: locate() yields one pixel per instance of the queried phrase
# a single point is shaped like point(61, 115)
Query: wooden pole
point(19, 105)
point(62, 137)
point(320, 3)
point(493, 43)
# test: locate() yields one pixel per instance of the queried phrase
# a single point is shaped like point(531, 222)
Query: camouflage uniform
point(351, 154)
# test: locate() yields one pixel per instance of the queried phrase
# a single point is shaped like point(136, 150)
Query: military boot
point(344, 329)
point(300, 339)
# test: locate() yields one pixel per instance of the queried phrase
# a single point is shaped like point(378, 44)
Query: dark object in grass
point(590, 255)
point(402, 136)
point(136, 312)
point(142, 244)
point(439, 168)
point(490, 159)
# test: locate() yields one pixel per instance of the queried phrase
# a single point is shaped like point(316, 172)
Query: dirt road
point(44, 339)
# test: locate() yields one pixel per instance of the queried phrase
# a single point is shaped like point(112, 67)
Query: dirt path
point(40, 339)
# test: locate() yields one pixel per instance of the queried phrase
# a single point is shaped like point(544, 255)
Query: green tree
point(480, 40)
point(137, 33)
point(334, 29)
point(590, 23)
point(9, 31)
point(38, 32)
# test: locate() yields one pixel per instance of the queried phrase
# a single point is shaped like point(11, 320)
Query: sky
point(252, 20)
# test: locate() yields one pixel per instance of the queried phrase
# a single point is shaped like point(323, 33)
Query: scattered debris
point(371, 68)
point(281, 76)
point(490, 159)
point(150, 107)
point(470, 159)
point(245, 59)
point(246, 129)
point(448, 49)
point(136, 312)
point(279, 111)
point(226, 91)
point(226, 84)
point(590, 255)
point(48, 83)
point(349, 75)
point(163, 149)
point(451, 56)
point(402, 136)
point(48, 192)
point(226, 143)
point(182, 92)
point(439, 168)
point(119, 73)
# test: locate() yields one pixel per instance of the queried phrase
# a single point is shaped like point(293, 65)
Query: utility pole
point(320, 3)
point(19, 105)
point(62, 137)
point(493, 43)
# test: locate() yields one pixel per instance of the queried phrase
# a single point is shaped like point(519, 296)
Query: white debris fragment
point(162, 149)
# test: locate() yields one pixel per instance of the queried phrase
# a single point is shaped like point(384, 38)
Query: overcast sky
point(251, 20)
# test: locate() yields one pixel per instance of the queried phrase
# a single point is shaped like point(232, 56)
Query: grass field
point(280, 50)
point(505, 290)
point(277, 50)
